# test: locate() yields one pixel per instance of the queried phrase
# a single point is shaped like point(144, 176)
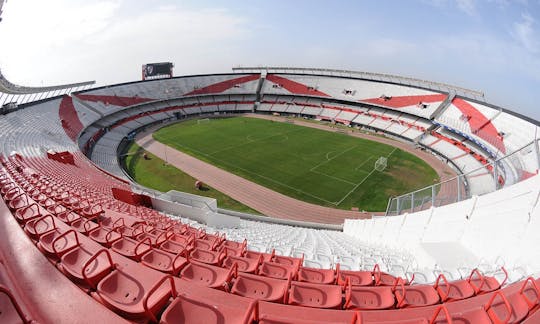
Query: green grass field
point(317, 166)
point(154, 173)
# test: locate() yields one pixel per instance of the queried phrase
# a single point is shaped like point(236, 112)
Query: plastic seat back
point(261, 288)
point(193, 309)
point(244, 264)
point(276, 270)
point(164, 261)
point(86, 266)
point(208, 275)
point(315, 295)
point(313, 275)
point(368, 297)
point(356, 278)
point(135, 294)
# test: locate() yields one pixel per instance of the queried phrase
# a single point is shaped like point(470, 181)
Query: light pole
point(166, 160)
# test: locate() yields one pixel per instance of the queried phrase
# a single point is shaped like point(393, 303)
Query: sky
point(487, 45)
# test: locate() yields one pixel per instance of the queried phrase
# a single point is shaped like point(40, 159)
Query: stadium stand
point(103, 250)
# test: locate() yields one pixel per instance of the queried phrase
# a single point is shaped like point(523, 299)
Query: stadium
point(356, 198)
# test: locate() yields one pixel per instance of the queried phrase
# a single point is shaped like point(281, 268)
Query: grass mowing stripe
point(252, 141)
point(254, 149)
point(262, 176)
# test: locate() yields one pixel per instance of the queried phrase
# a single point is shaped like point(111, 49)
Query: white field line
point(249, 141)
point(356, 187)
point(328, 160)
point(257, 175)
point(362, 164)
point(332, 177)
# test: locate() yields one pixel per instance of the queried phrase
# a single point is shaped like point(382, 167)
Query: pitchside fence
point(505, 171)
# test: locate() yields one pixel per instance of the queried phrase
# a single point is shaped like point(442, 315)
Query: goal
point(381, 164)
point(203, 121)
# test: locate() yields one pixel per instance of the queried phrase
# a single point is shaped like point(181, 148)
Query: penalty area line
point(356, 187)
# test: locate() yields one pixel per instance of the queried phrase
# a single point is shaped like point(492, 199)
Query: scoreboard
point(157, 70)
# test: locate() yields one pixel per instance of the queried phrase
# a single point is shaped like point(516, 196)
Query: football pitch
point(317, 166)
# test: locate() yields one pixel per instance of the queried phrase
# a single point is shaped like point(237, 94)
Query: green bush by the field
point(317, 166)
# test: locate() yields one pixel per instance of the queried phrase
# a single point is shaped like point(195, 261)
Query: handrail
point(462, 178)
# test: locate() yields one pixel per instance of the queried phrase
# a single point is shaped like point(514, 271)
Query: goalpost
point(203, 121)
point(381, 164)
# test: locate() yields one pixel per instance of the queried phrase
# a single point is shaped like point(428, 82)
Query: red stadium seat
point(244, 264)
point(181, 238)
point(314, 275)
point(384, 279)
point(368, 297)
point(164, 261)
point(454, 290)
point(38, 226)
point(208, 275)
point(104, 236)
point(130, 232)
point(155, 240)
point(13, 192)
point(20, 201)
point(483, 284)
point(231, 251)
point(68, 216)
point(533, 318)
point(289, 314)
point(237, 246)
point(209, 245)
point(207, 256)
point(266, 257)
point(85, 265)
point(198, 233)
point(175, 247)
point(135, 292)
point(57, 242)
point(289, 261)
point(29, 212)
point(92, 211)
point(131, 248)
point(530, 292)
point(276, 270)
point(208, 306)
point(261, 288)
point(83, 225)
point(356, 278)
point(315, 295)
point(415, 295)
point(506, 310)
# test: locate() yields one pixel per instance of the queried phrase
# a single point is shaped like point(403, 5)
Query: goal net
point(381, 164)
point(203, 121)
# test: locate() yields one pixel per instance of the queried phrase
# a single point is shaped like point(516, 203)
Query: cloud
point(525, 34)
point(467, 6)
point(108, 40)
